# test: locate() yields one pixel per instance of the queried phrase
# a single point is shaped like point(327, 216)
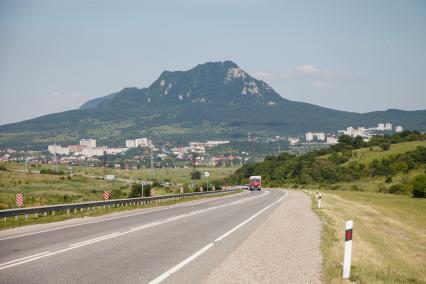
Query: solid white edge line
point(186, 261)
point(120, 217)
point(24, 258)
point(177, 267)
point(88, 242)
point(249, 219)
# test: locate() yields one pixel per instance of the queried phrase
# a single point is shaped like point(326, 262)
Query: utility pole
point(152, 164)
point(55, 162)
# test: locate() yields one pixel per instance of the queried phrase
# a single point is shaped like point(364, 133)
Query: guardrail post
point(16, 217)
point(45, 213)
point(68, 212)
point(36, 215)
point(75, 210)
point(26, 216)
point(5, 219)
point(53, 213)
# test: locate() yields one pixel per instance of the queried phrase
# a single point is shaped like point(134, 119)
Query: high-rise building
point(130, 144)
point(388, 126)
point(398, 129)
point(332, 140)
point(89, 143)
point(309, 136)
point(381, 126)
point(320, 136)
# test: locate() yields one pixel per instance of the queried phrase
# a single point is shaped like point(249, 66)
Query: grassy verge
point(61, 215)
point(389, 241)
point(82, 185)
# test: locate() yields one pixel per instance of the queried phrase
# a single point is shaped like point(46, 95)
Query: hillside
point(398, 167)
point(215, 100)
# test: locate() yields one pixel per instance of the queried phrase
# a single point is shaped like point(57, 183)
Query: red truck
point(255, 183)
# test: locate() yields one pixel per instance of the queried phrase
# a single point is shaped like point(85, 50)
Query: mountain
point(215, 100)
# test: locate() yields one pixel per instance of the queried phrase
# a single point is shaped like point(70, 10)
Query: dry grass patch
point(389, 243)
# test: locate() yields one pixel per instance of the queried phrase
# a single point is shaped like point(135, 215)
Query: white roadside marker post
point(348, 249)
point(319, 200)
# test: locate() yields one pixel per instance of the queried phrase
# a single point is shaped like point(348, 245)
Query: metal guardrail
point(107, 203)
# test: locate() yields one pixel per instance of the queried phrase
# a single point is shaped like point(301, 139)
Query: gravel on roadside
point(284, 249)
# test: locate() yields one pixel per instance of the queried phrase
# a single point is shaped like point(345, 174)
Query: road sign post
point(106, 195)
point(19, 200)
point(348, 249)
point(207, 174)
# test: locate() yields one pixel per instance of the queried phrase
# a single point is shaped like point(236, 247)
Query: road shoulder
point(284, 249)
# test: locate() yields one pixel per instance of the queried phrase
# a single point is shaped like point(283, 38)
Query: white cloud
point(307, 69)
point(322, 85)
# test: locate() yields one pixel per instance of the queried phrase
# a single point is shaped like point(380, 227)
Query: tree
point(136, 190)
point(419, 186)
point(195, 175)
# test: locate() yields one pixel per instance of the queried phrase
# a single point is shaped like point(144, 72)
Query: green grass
point(377, 183)
point(366, 156)
point(388, 243)
point(176, 175)
point(44, 189)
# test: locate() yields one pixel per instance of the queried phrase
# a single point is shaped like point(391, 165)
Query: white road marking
point(23, 260)
point(114, 218)
point(95, 239)
point(249, 219)
point(186, 261)
point(117, 234)
point(175, 268)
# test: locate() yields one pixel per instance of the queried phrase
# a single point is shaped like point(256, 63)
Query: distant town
point(143, 153)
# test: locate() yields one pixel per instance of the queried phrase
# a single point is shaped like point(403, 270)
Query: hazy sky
point(349, 55)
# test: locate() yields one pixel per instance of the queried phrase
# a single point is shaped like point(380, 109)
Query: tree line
point(333, 165)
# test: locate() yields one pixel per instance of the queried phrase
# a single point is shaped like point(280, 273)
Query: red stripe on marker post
point(348, 249)
point(19, 200)
point(106, 195)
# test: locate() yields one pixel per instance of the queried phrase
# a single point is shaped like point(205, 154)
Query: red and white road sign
point(106, 195)
point(19, 199)
point(348, 249)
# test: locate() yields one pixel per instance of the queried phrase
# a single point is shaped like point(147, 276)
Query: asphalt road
point(181, 243)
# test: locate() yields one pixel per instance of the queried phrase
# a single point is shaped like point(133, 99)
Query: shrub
point(385, 146)
point(195, 175)
point(419, 186)
point(397, 189)
point(51, 172)
point(382, 188)
point(355, 188)
point(3, 168)
point(136, 190)
point(388, 179)
point(147, 190)
point(335, 187)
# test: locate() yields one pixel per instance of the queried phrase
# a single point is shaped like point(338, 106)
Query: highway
point(184, 241)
